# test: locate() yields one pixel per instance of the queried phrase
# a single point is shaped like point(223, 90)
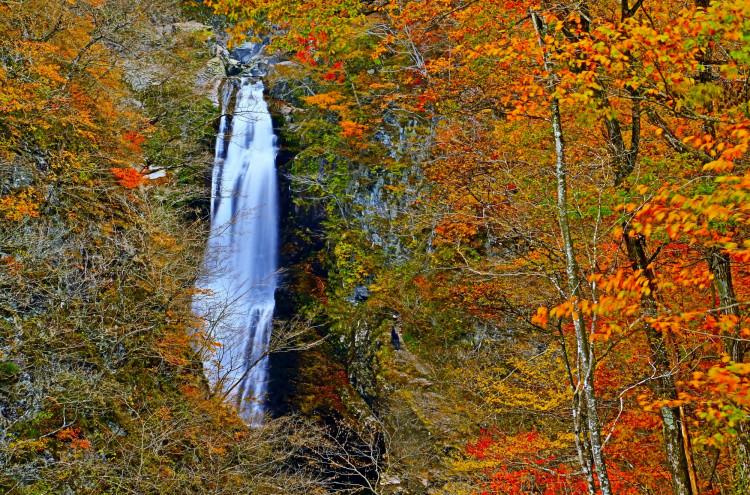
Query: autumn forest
point(496, 248)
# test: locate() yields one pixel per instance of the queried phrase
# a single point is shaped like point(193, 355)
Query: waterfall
point(236, 292)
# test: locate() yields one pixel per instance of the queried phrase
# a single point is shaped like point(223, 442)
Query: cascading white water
point(237, 291)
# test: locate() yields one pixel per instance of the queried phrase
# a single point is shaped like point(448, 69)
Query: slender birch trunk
point(586, 360)
point(580, 430)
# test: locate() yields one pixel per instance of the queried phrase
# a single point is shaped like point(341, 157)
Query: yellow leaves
point(379, 51)
point(541, 317)
point(741, 369)
point(19, 205)
point(165, 242)
point(646, 229)
point(51, 73)
point(616, 308)
point(563, 310)
point(698, 218)
point(718, 166)
point(163, 413)
point(331, 101)
point(352, 130)
point(619, 290)
point(378, 86)
point(729, 379)
point(174, 348)
point(495, 49)
point(525, 383)
point(21, 447)
point(677, 200)
point(670, 325)
point(16, 94)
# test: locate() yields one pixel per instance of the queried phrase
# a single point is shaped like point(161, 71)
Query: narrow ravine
point(236, 295)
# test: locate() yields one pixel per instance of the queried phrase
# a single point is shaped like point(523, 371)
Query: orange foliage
point(20, 205)
point(127, 177)
point(662, 84)
point(352, 130)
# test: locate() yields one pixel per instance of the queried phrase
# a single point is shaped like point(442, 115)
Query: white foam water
point(237, 289)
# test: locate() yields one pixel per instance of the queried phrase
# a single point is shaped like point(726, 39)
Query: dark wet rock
point(260, 69)
point(395, 339)
point(247, 52)
point(361, 294)
point(233, 68)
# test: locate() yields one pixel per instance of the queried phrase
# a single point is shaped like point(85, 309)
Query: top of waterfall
point(248, 52)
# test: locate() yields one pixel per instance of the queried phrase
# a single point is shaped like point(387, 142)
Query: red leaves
point(520, 467)
point(127, 177)
point(527, 462)
point(74, 438)
point(134, 140)
point(309, 47)
point(425, 100)
point(479, 448)
point(336, 73)
point(305, 56)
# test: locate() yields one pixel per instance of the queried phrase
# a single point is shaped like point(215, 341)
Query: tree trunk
point(721, 269)
point(664, 387)
point(583, 445)
point(675, 438)
point(586, 360)
point(580, 431)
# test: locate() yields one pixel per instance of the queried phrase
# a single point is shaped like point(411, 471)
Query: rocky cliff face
point(343, 227)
